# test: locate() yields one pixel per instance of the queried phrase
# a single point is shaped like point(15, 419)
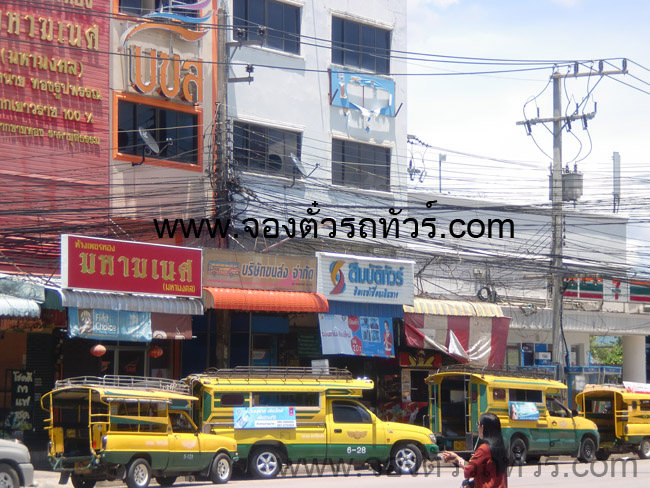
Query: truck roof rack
point(130, 382)
point(280, 372)
point(513, 371)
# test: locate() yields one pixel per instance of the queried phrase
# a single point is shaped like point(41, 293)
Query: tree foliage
point(607, 352)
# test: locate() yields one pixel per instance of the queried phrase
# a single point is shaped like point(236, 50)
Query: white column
point(634, 358)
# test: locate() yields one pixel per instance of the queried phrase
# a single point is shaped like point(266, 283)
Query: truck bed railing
point(513, 371)
point(129, 382)
point(279, 372)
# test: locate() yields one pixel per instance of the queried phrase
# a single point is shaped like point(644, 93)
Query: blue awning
point(18, 307)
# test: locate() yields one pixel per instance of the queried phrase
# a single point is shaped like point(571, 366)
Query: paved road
point(622, 472)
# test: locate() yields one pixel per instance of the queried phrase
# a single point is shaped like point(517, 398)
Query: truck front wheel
point(221, 469)
point(587, 450)
point(406, 459)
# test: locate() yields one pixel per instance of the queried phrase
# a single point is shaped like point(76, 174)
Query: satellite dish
point(304, 168)
point(149, 140)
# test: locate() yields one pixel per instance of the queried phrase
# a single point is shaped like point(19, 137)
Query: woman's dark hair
point(494, 438)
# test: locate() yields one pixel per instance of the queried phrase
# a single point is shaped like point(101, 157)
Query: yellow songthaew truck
point(533, 419)
point(130, 428)
point(622, 417)
point(295, 415)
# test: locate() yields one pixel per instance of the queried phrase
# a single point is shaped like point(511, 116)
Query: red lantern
point(155, 352)
point(98, 350)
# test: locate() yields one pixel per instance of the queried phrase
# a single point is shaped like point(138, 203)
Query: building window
point(137, 8)
point(266, 149)
point(360, 45)
point(176, 133)
point(360, 165)
point(281, 23)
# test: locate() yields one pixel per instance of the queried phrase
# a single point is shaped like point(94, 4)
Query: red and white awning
point(470, 332)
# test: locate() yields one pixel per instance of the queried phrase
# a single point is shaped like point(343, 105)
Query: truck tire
point(8, 476)
point(406, 458)
point(165, 480)
point(517, 451)
point(587, 452)
point(532, 459)
point(139, 474)
point(79, 482)
point(221, 469)
point(644, 448)
point(264, 462)
point(602, 455)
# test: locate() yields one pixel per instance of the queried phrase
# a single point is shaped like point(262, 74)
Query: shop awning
point(470, 331)
point(264, 300)
point(18, 307)
point(133, 303)
point(453, 308)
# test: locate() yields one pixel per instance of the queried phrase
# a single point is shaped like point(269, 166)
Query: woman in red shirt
point(489, 464)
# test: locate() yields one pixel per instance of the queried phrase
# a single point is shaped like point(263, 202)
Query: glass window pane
point(351, 44)
point(256, 17)
point(240, 143)
point(291, 29)
point(257, 145)
point(239, 15)
point(186, 149)
point(126, 127)
point(131, 7)
point(337, 40)
point(276, 150)
point(382, 43)
point(368, 47)
point(275, 23)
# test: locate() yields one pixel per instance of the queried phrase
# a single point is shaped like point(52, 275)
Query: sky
point(476, 114)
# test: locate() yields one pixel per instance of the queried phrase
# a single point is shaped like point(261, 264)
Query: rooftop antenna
point(151, 144)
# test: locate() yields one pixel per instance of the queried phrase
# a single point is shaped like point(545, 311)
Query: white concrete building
point(324, 119)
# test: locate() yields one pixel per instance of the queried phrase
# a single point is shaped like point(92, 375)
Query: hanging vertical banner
point(357, 336)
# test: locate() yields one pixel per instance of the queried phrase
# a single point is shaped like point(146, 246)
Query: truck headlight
point(432, 437)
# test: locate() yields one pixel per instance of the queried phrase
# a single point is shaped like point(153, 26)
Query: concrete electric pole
point(559, 121)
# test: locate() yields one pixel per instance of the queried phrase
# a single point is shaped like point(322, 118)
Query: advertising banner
point(264, 418)
point(357, 336)
point(112, 325)
point(523, 411)
point(360, 279)
point(131, 267)
point(255, 271)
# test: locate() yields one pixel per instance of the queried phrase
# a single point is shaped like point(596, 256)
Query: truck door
point(561, 428)
point(353, 433)
point(184, 445)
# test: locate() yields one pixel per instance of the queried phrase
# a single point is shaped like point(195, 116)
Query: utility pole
point(221, 164)
point(559, 121)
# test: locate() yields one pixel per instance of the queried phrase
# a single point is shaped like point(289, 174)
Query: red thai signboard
point(132, 267)
point(54, 122)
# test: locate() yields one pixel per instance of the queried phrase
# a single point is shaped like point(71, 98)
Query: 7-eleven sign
point(616, 291)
